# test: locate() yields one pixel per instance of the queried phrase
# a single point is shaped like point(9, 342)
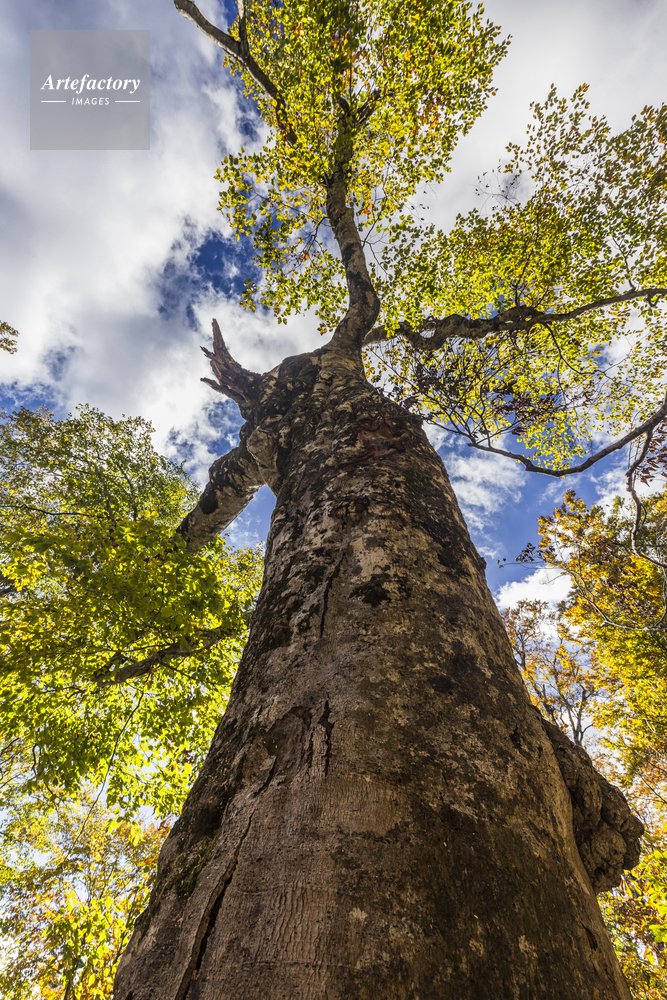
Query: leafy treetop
point(376, 92)
point(541, 316)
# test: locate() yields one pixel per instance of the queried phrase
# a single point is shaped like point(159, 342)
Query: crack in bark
point(309, 752)
point(208, 921)
point(327, 588)
point(266, 783)
point(328, 729)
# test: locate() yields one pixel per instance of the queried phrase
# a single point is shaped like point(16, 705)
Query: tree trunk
point(382, 813)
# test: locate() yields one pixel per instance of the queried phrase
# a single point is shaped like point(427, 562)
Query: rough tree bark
point(382, 813)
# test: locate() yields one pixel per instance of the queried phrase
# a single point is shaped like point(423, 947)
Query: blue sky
point(112, 263)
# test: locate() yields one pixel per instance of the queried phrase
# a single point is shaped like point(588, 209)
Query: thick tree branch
point(233, 481)
point(138, 668)
point(515, 320)
point(640, 515)
point(646, 427)
point(364, 303)
point(234, 381)
point(240, 51)
point(639, 507)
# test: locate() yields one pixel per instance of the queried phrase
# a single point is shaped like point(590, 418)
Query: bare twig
point(644, 428)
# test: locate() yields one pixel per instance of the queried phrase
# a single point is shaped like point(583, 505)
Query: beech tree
point(617, 606)
point(557, 668)
point(73, 877)
point(382, 812)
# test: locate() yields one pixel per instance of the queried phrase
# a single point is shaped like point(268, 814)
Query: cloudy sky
point(112, 263)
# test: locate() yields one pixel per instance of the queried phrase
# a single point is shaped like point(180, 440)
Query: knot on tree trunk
point(606, 831)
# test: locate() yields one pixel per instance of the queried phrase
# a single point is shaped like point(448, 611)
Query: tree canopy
point(117, 652)
point(117, 647)
point(73, 879)
point(551, 328)
point(539, 316)
point(556, 667)
point(374, 94)
point(617, 603)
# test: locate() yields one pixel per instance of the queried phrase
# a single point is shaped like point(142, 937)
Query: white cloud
point(613, 45)
point(436, 435)
point(544, 584)
point(483, 484)
point(611, 484)
point(88, 234)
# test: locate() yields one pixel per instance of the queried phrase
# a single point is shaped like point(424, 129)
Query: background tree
point(617, 603)
point(73, 880)
point(556, 667)
point(116, 656)
point(116, 648)
point(615, 560)
point(8, 336)
point(635, 915)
